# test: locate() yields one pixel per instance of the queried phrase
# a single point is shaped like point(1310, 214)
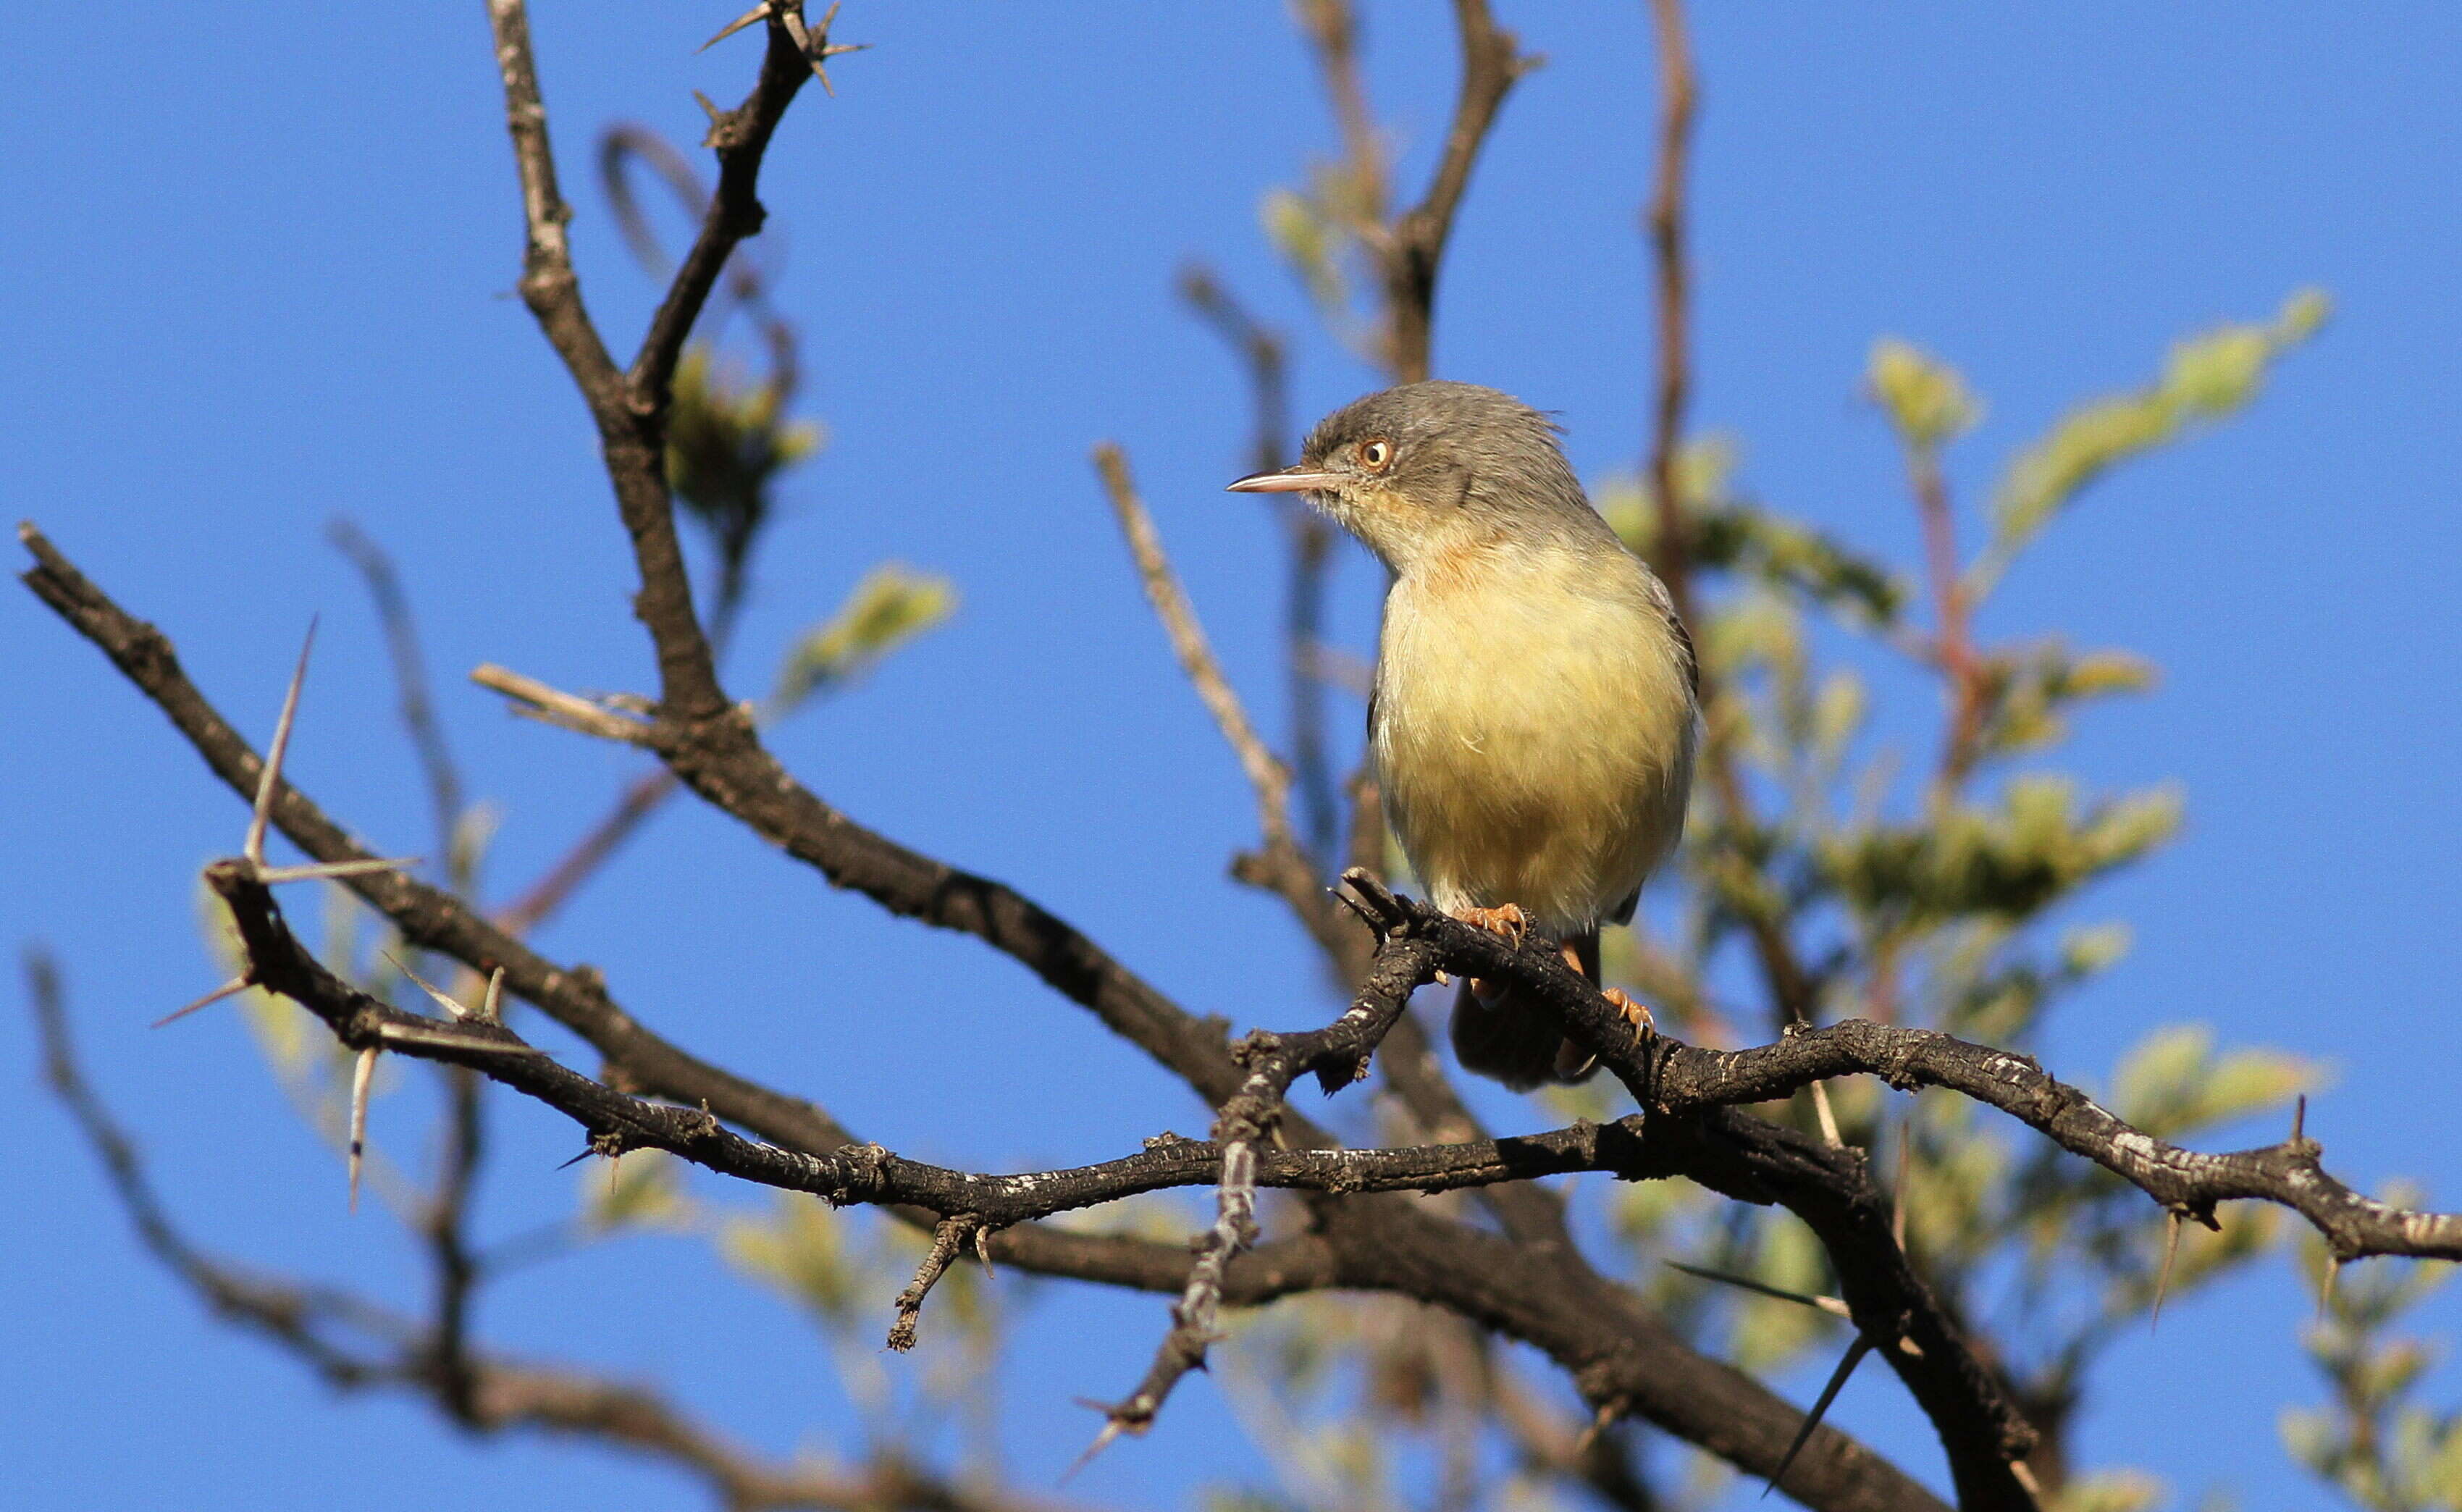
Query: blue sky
point(257, 272)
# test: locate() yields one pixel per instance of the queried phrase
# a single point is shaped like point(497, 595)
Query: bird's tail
point(1511, 1036)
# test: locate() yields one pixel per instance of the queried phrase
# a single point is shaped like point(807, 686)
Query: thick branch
point(576, 997)
point(630, 410)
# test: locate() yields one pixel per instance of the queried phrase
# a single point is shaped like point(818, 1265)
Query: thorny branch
point(1532, 1286)
point(1414, 250)
point(575, 997)
point(1623, 1359)
point(357, 1345)
point(1670, 1079)
point(1338, 1054)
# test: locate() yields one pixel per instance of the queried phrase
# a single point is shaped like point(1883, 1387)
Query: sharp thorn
point(361, 1076)
point(455, 1009)
point(1898, 1184)
point(413, 1034)
point(2299, 1118)
point(2325, 1293)
point(1597, 1425)
point(235, 984)
point(983, 1249)
point(2162, 1278)
point(1853, 1357)
point(1832, 1305)
point(492, 1009)
point(1111, 1429)
point(336, 869)
point(759, 13)
point(1821, 1109)
point(567, 1165)
point(271, 779)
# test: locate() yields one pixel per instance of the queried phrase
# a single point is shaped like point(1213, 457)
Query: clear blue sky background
point(256, 272)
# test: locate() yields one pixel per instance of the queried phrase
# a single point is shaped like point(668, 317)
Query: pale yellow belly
point(1534, 747)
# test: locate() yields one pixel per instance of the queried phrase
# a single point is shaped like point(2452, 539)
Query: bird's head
point(1431, 469)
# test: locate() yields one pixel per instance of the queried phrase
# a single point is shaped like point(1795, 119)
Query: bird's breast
point(1533, 731)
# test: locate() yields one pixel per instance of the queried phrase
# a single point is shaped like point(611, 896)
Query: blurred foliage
point(2206, 378)
point(1920, 892)
point(728, 443)
point(2375, 1442)
point(891, 606)
point(1926, 399)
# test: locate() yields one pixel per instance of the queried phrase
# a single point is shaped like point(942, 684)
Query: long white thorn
point(446, 1040)
point(759, 13)
point(314, 870)
point(2163, 1280)
point(492, 1009)
point(456, 1010)
point(361, 1076)
point(233, 985)
point(271, 777)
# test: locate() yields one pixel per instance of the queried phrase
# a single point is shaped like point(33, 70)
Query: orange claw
point(1508, 920)
point(1635, 1015)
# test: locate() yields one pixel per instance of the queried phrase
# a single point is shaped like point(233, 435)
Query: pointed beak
point(1291, 479)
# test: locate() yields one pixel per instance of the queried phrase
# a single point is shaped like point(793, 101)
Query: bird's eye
point(1375, 455)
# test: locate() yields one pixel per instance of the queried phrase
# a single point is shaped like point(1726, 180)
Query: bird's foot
point(1508, 921)
point(1636, 1016)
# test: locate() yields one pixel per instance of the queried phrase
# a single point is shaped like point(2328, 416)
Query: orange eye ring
point(1375, 456)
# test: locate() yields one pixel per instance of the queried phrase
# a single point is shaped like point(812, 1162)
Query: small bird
point(1532, 723)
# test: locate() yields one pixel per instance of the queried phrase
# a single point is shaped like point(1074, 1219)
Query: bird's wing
point(1692, 658)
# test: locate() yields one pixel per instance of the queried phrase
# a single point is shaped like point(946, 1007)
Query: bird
point(1535, 708)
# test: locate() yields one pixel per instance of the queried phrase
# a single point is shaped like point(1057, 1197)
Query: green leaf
point(2172, 1083)
point(1926, 399)
point(726, 442)
point(891, 606)
point(2205, 379)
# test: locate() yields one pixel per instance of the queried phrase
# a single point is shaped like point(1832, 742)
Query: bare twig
point(1334, 36)
point(642, 798)
point(949, 1236)
point(536, 700)
point(1414, 252)
point(1268, 777)
point(740, 138)
point(1953, 635)
point(410, 681)
point(1310, 545)
point(1677, 93)
point(1791, 986)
